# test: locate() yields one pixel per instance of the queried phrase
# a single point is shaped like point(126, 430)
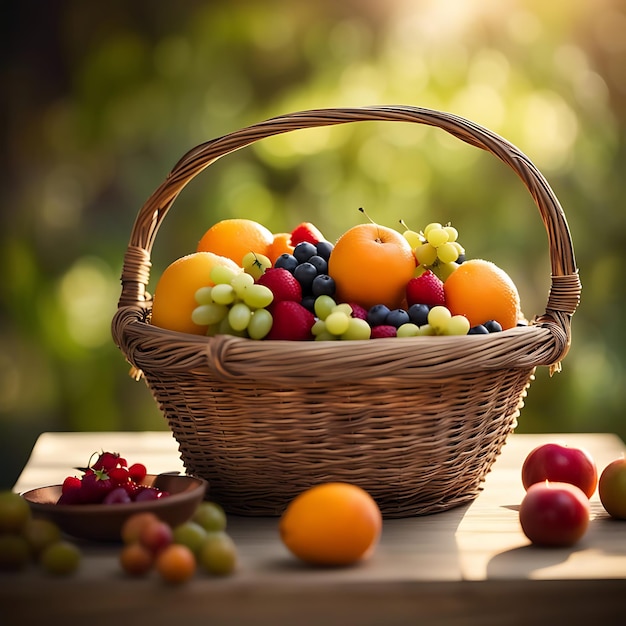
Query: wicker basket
point(263, 420)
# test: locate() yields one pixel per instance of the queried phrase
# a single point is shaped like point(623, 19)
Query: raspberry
point(358, 311)
point(291, 321)
point(425, 289)
point(383, 331)
point(282, 284)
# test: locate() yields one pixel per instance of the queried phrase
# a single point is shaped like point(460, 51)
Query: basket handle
point(565, 289)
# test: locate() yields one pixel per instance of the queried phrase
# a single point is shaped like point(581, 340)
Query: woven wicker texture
point(417, 422)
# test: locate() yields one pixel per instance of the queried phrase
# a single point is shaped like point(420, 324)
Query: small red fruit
point(291, 322)
point(137, 472)
point(282, 284)
point(305, 232)
point(425, 289)
point(558, 463)
point(554, 514)
point(383, 331)
point(155, 536)
point(358, 311)
point(135, 559)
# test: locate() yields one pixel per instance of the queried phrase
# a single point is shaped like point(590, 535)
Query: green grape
point(255, 264)
point(324, 306)
point(459, 247)
point(337, 322)
point(427, 331)
point(61, 558)
point(437, 237)
point(225, 328)
point(408, 330)
point(212, 330)
point(258, 296)
point(425, 254)
point(438, 318)
point(222, 275)
point(447, 253)
point(211, 516)
point(344, 307)
point(207, 314)
point(326, 336)
point(239, 316)
point(443, 270)
point(190, 534)
point(223, 294)
point(203, 295)
point(412, 238)
point(218, 554)
point(319, 327)
point(260, 324)
point(458, 325)
point(453, 233)
point(430, 227)
point(357, 329)
point(240, 283)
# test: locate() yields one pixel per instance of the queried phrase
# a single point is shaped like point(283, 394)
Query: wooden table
point(470, 565)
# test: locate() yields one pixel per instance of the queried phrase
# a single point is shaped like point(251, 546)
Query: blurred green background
point(101, 99)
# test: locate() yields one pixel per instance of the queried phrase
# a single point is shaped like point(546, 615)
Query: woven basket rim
point(545, 342)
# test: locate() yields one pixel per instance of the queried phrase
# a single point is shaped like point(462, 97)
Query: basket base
point(417, 449)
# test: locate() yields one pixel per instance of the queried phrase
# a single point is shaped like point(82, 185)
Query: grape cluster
point(437, 248)
point(336, 321)
point(234, 305)
point(309, 265)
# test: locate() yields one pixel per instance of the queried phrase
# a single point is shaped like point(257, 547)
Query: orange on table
point(174, 295)
point(371, 264)
point(482, 291)
point(332, 523)
point(234, 238)
point(281, 244)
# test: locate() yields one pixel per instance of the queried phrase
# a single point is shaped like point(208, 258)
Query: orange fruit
point(234, 238)
point(174, 295)
point(331, 524)
point(371, 264)
point(281, 244)
point(481, 291)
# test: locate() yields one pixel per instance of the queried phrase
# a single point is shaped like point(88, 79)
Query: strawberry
point(106, 461)
point(305, 232)
point(383, 331)
point(425, 289)
point(94, 486)
point(282, 284)
point(291, 321)
point(358, 311)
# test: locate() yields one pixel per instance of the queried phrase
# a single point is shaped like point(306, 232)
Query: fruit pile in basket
point(373, 282)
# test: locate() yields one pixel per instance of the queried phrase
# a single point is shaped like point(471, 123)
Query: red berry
point(119, 475)
point(70, 483)
point(106, 461)
point(282, 284)
point(358, 311)
point(425, 289)
point(95, 486)
point(383, 331)
point(137, 472)
point(291, 322)
point(305, 232)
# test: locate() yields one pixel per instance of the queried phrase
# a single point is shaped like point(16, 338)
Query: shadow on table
point(604, 537)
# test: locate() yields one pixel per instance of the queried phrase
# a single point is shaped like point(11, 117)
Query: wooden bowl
point(103, 522)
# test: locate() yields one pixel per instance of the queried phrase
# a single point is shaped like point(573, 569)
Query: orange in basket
point(234, 238)
point(481, 291)
point(280, 245)
point(372, 264)
point(174, 295)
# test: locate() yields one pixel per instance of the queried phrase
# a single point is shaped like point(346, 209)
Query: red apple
point(554, 514)
point(155, 536)
point(560, 463)
point(612, 488)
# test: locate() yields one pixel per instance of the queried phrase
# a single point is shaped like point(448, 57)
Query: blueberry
point(305, 274)
point(493, 327)
point(324, 248)
point(304, 251)
point(308, 302)
point(287, 262)
point(377, 315)
point(397, 317)
point(478, 330)
point(321, 265)
point(418, 313)
point(323, 285)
